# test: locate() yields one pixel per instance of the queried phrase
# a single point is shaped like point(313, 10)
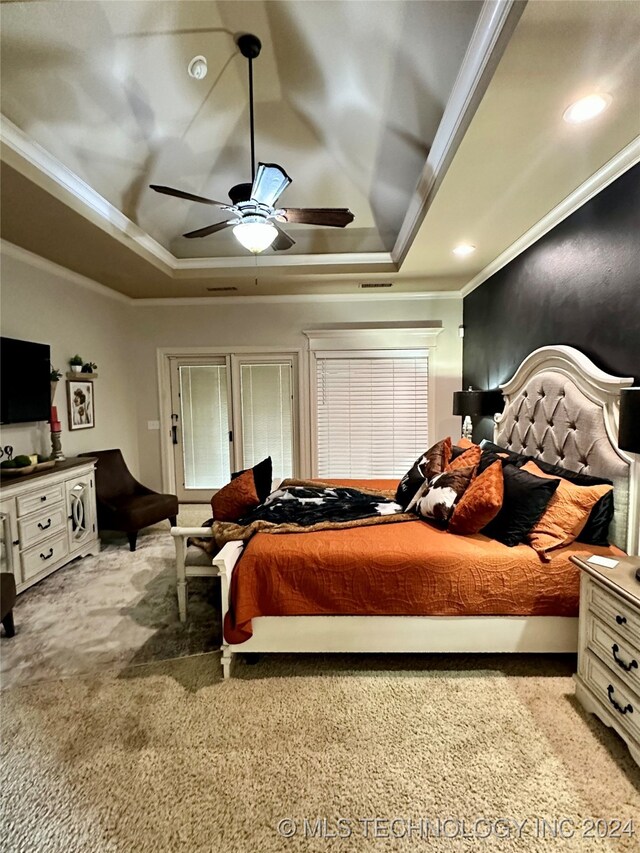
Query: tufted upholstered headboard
point(561, 408)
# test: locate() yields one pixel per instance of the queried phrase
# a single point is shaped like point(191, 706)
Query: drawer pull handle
point(628, 709)
point(43, 497)
point(626, 666)
point(44, 526)
point(47, 556)
point(621, 620)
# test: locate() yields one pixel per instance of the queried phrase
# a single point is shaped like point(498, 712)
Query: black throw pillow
point(525, 499)
point(492, 450)
point(596, 530)
point(262, 477)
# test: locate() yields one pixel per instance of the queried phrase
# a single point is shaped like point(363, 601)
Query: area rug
point(116, 608)
point(314, 753)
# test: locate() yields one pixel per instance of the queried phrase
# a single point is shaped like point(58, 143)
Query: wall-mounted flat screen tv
point(25, 390)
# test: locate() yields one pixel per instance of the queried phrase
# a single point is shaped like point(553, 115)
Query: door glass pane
point(267, 414)
point(205, 425)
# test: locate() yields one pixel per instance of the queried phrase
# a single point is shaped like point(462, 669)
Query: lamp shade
point(629, 429)
point(477, 403)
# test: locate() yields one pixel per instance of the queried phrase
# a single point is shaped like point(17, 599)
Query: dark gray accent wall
point(578, 285)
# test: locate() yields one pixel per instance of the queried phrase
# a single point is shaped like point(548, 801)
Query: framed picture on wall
point(80, 404)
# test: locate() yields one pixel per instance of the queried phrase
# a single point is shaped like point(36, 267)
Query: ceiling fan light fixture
point(255, 236)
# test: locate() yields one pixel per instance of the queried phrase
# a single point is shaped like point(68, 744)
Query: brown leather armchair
point(124, 503)
point(7, 600)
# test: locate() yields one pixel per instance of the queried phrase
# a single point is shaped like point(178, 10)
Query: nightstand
point(608, 678)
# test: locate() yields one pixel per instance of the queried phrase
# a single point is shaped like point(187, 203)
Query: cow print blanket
point(301, 506)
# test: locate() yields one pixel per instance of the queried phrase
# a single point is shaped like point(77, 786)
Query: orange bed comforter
point(404, 569)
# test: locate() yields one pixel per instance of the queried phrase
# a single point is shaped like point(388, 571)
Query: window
point(371, 412)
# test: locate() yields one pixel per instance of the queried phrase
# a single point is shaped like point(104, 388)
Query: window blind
point(371, 414)
point(205, 425)
point(267, 415)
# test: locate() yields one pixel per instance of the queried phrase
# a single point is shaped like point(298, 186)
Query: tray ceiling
point(350, 97)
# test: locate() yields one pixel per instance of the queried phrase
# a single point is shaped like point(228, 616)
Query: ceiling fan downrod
point(250, 47)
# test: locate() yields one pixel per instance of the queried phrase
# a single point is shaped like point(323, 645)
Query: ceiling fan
point(255, 216)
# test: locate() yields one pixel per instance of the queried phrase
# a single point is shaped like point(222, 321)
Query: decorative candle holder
point(56, 433)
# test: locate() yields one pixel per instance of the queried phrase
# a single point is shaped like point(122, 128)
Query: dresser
point(47, 519)
point(608, 678)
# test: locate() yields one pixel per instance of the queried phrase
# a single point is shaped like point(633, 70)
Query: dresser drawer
point(614, 612)
point(620, 701)
point(47, 553)
point(43, 497)
point(42, 525)
point(617, 653)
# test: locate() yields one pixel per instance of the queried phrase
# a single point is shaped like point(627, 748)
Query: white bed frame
point(429, 633)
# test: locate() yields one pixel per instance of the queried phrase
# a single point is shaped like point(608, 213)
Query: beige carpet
point(117, 737)
point(167, 757)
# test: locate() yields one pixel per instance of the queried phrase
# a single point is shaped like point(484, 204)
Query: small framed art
point(80, 404)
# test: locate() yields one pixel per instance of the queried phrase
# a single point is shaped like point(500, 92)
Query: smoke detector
point(197, 68)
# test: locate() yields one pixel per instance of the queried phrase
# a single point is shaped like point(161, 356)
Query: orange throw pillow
point(235, 499)
point(481, 502)
point(464, 442)
point(470, 457)
point(566, 514)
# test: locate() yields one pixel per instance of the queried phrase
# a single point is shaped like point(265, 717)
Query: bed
point(478, 595)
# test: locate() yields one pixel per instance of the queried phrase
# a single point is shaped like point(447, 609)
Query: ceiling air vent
point(376, 284)
point(220, 289)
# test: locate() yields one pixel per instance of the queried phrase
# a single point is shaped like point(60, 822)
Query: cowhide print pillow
point(432, 462)
point(436, 499)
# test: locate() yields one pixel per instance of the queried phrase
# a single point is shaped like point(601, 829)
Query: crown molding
point(374, 261)
point(426, 296)
point(496, 23)
point(52, 268)
point(607, 174)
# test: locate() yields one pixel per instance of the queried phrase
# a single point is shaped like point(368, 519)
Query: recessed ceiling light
point(463, 250)
point(197, 68)
point(586, 108)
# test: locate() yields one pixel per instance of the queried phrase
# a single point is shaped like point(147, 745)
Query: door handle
point(174, 428)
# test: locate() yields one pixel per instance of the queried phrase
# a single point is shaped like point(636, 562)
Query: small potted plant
point(54, 377)
point(76, 363)
point(89, 367)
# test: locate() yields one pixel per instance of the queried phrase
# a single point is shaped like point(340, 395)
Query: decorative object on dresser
point(47, 519)
point(608, 678)
point(124, 503)
point(80, 404)
point(629, 427)
point(56, 435)
point(472, 403)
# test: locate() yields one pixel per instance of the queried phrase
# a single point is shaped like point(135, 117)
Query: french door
point(227, 413)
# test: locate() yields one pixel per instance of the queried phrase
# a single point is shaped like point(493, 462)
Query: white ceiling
point(350, 99)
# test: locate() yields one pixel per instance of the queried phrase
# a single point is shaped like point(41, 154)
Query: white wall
point(44, 303)
point(279, 324)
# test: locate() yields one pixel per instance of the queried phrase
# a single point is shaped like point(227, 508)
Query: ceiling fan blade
point(336, 217)
point(270, 182)
point(188, 196)
point(283, 241)
point(209, 229)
